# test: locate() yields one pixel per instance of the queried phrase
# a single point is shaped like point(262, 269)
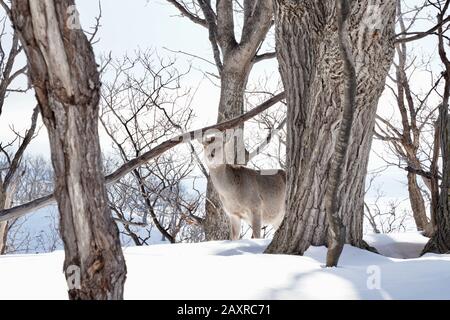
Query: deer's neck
point(221, 176)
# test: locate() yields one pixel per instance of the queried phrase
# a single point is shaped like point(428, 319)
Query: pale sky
point(154, 24)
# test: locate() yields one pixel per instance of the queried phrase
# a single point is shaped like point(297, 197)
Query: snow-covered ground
point(238, 270)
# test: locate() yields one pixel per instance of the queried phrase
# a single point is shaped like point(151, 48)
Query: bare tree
point(36, 180)
point(412, 139)
point(142, 104)
point(8, 63)
point(440, 239)
point(234, 61)
point(11, 152)
point(65, 78)
point(312, 71)
point(10, 179)
point(386, 217)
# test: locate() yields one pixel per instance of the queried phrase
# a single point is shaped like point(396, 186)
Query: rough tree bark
point(440, 239)
point(336, 239)
point(66, 80)
point(311, 69)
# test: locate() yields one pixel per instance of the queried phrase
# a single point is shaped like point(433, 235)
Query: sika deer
point(245, 193)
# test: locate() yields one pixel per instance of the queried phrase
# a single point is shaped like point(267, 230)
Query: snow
point(398, 245)
point(238, 270)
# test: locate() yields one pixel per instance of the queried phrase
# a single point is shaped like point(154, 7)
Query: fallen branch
point(32, 206)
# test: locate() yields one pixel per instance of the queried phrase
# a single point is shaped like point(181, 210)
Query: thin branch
point(19, 154)
point(186, 13)
point(419, 35)
point(267, 140)
point(264, 56)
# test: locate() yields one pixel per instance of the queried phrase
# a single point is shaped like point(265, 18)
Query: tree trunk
point(434, 181)
point(311, 69)
point(3, 225)
point(66, 80)
point(440, 240)
point(336, 239)
point(216, 223)
point(3, 236)
point(6, 198)
point(417, 203)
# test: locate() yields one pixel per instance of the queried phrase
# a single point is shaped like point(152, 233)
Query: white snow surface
point(239, 270)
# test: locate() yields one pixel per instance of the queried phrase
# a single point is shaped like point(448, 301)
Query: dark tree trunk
point(311, 69)
point(66, 80)
point(434, 181)
point(3, 225)
point(417, 203)
point(440, 240)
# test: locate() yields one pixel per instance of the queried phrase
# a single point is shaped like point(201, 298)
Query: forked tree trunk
point(238, 60)
point(311, 69)
point(66, 80)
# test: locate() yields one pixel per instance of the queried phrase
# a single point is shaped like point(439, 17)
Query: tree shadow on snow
point(365, 275)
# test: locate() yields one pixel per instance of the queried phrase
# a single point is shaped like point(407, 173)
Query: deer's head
point(224, 148)
point(213, 151)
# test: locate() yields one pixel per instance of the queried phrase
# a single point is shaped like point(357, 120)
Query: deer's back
point(243, 190)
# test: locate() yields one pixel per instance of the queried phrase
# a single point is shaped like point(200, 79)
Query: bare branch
point(264, 56)
point(186, 13)
point(402, 37)
point(128, 167)
point(19, 154)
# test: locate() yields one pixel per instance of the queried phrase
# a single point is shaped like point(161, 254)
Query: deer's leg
point(235, 227)
point(256, 225)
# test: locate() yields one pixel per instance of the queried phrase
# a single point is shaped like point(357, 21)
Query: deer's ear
point(208, 140)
